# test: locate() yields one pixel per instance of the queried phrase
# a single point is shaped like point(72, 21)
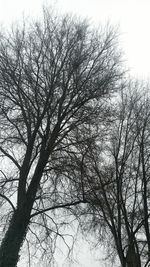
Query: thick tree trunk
point(16, 233)
point(133, 259)
point(13, 240)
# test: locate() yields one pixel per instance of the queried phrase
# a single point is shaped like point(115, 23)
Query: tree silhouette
point(54, 77)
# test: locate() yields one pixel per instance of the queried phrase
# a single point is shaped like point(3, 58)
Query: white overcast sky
point(133, 18)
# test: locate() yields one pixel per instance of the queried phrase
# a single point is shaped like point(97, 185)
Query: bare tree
point(116, 179)
point(54, 77)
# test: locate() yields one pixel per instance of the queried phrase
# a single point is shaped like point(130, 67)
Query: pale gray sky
point(134, 20)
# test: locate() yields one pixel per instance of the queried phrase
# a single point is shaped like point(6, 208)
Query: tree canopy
point(55, 77)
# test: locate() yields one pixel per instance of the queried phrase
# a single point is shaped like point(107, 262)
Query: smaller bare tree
point(116, 178)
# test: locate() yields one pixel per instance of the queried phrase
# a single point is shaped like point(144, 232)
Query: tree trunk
point(132, 258)
point(13, 240)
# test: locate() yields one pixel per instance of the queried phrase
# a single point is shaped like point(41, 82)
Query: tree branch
point(8, 200)
point(59, 207)
point(10, 157)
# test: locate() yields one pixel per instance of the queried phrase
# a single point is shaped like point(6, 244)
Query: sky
point(133, 19)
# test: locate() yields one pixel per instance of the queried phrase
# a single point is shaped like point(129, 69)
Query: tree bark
point(13, 240)
point(133, 258)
